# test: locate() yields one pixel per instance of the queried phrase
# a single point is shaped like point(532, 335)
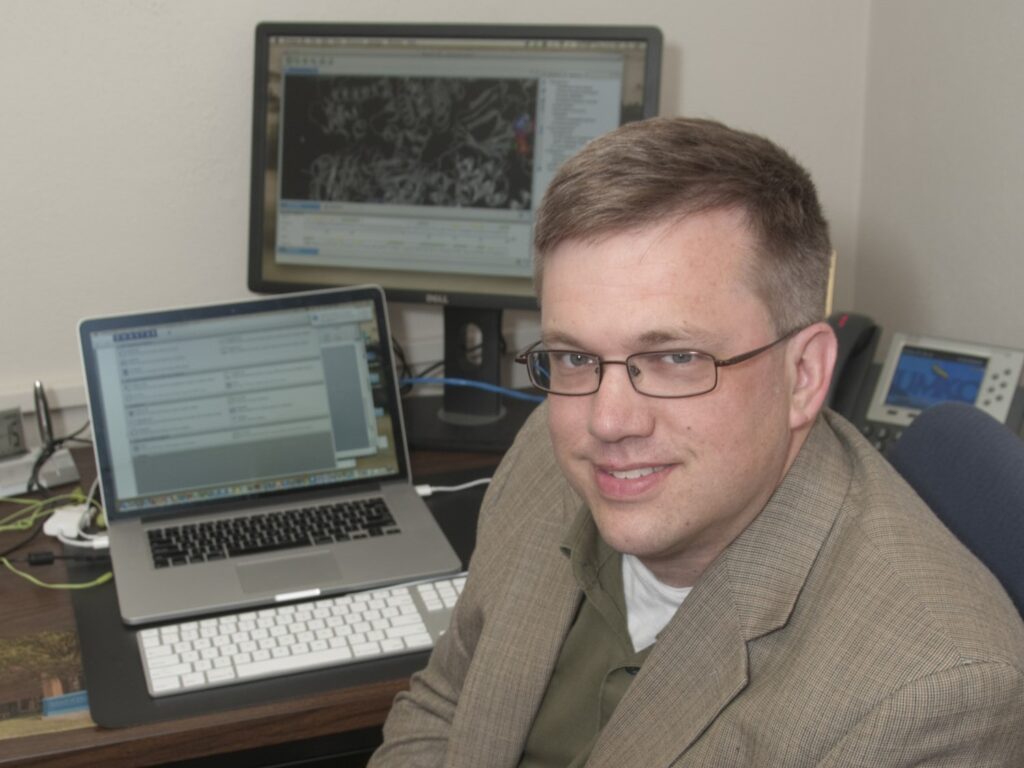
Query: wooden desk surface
point(27, 610)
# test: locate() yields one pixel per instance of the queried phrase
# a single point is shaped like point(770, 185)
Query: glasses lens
point(562, 372)
point(673, 374)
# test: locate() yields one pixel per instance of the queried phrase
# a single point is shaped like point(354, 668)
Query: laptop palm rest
point(287, 574)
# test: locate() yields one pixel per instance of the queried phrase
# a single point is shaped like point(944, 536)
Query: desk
point(326, 723)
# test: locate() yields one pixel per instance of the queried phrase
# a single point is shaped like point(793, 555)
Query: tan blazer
point(844, 627)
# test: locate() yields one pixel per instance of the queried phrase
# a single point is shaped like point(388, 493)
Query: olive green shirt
point(596, 664)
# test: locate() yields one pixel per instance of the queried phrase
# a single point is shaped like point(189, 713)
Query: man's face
point(672, 481)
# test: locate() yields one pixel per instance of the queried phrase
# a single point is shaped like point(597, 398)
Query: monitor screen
point(413, 156)
point(925, 377)
point(242, 400)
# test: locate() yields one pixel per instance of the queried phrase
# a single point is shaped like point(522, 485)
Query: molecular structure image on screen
point(428, 141)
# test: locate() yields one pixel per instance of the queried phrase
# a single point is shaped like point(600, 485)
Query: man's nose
point(617, 410)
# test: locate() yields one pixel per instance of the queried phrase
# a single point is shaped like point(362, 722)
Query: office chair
point(969, 468)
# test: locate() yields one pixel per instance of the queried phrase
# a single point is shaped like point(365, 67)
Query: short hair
point(647, 172)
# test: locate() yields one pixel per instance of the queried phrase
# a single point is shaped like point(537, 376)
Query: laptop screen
point(232, 402)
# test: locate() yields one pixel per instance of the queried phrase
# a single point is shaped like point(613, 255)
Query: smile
point(632, 483)
point(634, 474)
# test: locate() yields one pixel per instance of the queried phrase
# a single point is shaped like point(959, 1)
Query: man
point(683, 561)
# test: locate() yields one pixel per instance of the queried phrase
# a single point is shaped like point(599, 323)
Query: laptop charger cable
point(425, 490)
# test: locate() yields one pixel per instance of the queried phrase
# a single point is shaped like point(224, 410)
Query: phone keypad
point(882, 436)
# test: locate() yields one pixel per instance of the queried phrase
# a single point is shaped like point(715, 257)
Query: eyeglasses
point(666, 373)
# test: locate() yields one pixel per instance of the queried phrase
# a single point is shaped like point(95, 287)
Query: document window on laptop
point(252, 450)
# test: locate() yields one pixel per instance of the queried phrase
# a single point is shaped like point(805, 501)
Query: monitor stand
point(467, 418)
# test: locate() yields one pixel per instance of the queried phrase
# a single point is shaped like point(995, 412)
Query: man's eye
point(678, 358)
point(574, 360)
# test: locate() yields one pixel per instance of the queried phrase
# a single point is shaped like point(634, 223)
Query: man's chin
point(620, 530)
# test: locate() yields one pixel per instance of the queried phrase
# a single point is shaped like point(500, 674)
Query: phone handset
point(858, 337)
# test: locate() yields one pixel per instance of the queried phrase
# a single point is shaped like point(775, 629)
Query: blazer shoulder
point(892, 543)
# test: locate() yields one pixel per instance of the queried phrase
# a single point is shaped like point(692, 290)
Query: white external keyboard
point(295, 637)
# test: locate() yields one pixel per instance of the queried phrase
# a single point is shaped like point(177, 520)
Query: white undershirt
point(650, 605)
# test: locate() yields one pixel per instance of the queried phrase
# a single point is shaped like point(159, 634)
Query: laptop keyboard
point(295, 637)
point(266, 532)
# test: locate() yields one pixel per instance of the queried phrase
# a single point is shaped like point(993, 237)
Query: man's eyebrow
point(556, 339)
point(688, 337)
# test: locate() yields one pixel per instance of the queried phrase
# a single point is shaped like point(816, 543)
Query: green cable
point(27, 518)
point(36, 509)
point(84, 585)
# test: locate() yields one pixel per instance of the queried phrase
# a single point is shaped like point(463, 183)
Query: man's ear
point(812, 356)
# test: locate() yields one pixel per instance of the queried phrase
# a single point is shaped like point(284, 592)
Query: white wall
point(941, 243)
point(126, 127)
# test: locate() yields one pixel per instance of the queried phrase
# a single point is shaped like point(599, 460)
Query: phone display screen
point(925, 377)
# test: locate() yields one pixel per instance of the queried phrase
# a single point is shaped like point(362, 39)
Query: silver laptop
point(254, 452)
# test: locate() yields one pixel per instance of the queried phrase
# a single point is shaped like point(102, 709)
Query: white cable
point(93, 508)
point(96, 542)
point(92, 493)
point(68, 523)
point(428, 490)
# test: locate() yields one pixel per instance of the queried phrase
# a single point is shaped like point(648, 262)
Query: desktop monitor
point(413, 157)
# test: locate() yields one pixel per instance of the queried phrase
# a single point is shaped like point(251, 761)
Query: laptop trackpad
point(288, 574)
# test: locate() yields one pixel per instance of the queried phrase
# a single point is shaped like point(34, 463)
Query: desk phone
point(917, 372)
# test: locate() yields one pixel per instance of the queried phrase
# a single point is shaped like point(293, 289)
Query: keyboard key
point(221, 675)
point(165, 685)
point(292, 663)
point(170, 671)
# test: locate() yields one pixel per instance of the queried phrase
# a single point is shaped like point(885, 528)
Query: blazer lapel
point(697, 667)
point(516, 655)
point(700, 661)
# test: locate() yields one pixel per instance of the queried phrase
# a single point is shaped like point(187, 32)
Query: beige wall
point(126, 127)
point(941, 236)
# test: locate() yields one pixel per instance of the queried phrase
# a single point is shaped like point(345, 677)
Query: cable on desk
point(407, 378)
point(35, 511)
point(428, 490)
point(45, 557)
point(95, 514)
point(404, 369)
point(52, 445)
point(24, 542)
point(515, 394)
point(47, 585)
point(32, 516)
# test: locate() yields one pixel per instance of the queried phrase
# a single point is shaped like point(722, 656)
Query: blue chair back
point(969, 468)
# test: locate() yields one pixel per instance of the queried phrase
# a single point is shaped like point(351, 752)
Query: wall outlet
point(12, 433)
